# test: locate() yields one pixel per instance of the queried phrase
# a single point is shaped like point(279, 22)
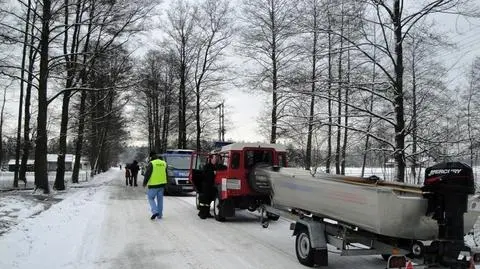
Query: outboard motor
point(447, 186)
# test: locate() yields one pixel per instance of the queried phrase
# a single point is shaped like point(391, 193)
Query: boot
point(203, 212)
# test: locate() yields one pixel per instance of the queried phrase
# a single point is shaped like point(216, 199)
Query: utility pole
point(221, 122)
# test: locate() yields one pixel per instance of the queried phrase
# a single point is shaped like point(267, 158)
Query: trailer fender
point(316, 231)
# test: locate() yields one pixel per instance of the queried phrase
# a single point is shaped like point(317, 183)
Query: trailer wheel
point(217, 208)
point(272, 216)
point(303, 248)
point(197, 200)
point(385, 257)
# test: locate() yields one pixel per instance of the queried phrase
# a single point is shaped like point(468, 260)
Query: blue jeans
point(156, 207)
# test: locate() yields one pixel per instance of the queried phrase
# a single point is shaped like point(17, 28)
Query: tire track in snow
point(242, 230)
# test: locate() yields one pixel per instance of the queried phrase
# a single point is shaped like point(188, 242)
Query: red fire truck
point(236, 186)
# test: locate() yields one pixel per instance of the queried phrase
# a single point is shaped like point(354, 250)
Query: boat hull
point(389, 209)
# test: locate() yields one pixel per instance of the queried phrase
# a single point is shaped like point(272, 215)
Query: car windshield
point(178, 161)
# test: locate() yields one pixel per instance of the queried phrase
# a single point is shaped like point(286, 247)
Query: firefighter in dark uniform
point(207, 189)
point(207, 193)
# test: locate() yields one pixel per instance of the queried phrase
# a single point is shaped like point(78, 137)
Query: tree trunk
point(273, 134)
point(399, 154)
point(197, 117)
point(20, 105)
point(69, 83)
point(83, 99)
point(414, 119)
point(94, 129)
point(156, 127)
point(339, 97)
point(166, 117)
point(28, 93)
point(1, 124)
point(345, 133)
point(182, 129)
point(370, 118)
point(369, 126)
point(60, 175)
point(79, 142)
point(329, 101)
point(150, 121)
point(158, 124)
point(308, 157)
point(41, 174)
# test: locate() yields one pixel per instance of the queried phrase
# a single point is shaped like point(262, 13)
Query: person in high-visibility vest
point(155, 179)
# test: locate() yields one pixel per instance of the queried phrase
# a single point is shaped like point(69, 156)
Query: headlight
point(170, 173)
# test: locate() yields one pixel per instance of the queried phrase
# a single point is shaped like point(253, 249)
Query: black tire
point(272, 216)
point(303, 248)
point(259, 186)
point(197, 201)
point(218, 208)
point(385, 257)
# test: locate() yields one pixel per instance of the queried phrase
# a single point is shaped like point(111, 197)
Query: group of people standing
point(131, 173)
point(156, 177)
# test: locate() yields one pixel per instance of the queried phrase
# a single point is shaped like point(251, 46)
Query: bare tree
point(472, 113)
point(2, 114)
point(310, 23)
point(114, 28)
point(214, 35)
point(267, 40)
point(182, 21)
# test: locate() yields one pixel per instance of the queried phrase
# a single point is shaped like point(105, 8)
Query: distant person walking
point(134, 168)
point(128, 175)
point(155, 179)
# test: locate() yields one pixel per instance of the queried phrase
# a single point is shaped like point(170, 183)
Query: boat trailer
point(444, 199)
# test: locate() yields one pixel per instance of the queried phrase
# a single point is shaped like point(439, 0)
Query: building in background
point(52, 163)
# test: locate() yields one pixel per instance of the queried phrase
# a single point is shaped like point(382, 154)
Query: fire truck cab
point(236, 187)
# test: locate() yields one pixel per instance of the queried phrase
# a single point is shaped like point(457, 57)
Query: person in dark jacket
point(134, 168)
point(207, 191)
point(128, 175)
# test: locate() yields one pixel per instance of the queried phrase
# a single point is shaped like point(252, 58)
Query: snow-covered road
point(110, 228)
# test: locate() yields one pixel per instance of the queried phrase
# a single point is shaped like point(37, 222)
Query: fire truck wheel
point(197, 200)
point(304, 249)
point(217, 208)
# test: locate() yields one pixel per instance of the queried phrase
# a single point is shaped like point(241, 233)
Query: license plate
point(187, 188)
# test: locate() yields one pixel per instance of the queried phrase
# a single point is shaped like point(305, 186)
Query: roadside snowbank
point(64, 233)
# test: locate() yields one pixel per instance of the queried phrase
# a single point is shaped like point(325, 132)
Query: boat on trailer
point(378, 206)
point(426, 222)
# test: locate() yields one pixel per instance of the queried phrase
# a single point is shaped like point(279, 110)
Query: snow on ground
point(15, 208)
point(54, 236)
point(104, 224)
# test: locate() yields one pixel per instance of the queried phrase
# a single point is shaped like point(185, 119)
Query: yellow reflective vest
point(159, 173)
